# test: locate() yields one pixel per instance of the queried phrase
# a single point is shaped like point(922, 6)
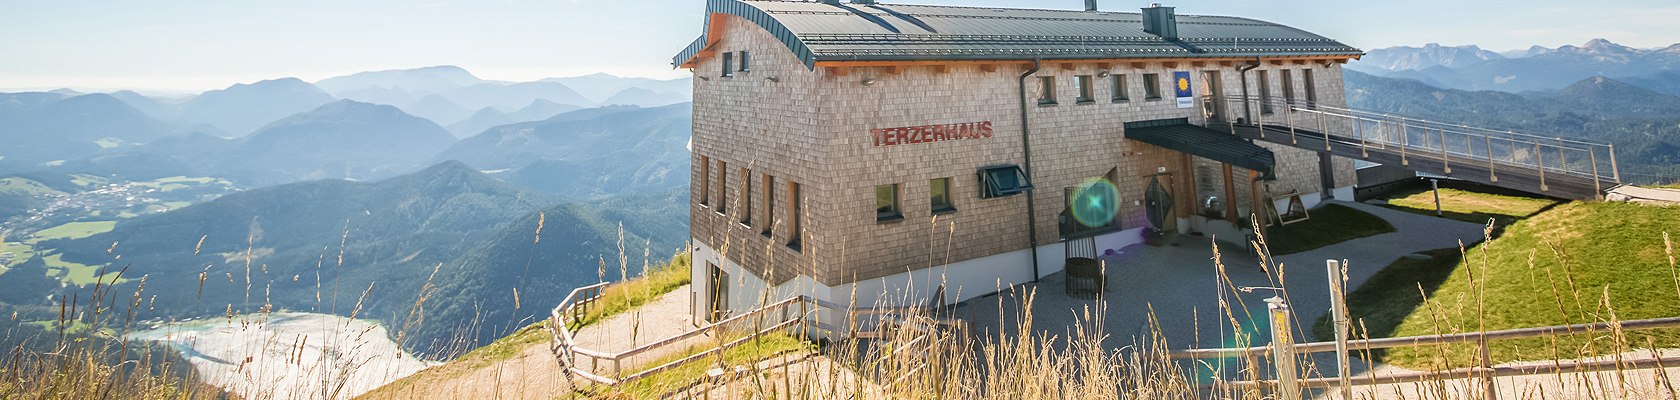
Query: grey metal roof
point(816, 31)
point(1179, 134)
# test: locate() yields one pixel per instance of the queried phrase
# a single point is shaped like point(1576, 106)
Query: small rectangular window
point(728, 64)
point(1003, 180)
point(743, 61)
point(1265, 92)
point(886, 203)
point(1307, 83)
point(746, 197)
point(1151, 86)
point(1047, 91)
point(722, 205)
point(1119, 88)
point(939, 194)
point(796, 231)
point(769, 204)
point(1083, 83)
point(1288, 86)
point(705, 180)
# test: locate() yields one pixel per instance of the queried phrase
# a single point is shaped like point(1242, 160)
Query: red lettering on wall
point(930, 133)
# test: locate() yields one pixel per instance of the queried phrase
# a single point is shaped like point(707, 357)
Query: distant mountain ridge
point(589, 153)
point(1644, 125)
point(39, 128)
point(1538, 68)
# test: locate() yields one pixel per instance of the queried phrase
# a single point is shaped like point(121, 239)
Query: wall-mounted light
point(703, 78)
point(1102, 74)
point(868, 81)
point(772, 79)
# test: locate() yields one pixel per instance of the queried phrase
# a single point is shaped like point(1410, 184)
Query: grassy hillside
point(1579, 262)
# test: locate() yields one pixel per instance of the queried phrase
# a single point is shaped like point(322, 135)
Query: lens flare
point(1095, 202)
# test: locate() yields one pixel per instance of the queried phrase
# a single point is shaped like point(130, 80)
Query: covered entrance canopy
point(1179, 135)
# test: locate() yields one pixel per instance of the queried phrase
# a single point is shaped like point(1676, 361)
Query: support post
point(1359, 129)
point(1492, 176)
point(1446, 166)
point(1540, 164)
point(1283, 352)
point(1260, 119)
point(1289, 118)
point(1230, 193)
point(1598, 188)
point(1615, 172)
point(1403, 160)
point(1435, 186)
point(1563, 160)
point(1324, 129)
point(1339, 315)
point(1490, 390)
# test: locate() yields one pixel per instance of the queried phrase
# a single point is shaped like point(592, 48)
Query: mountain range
point(1537, 68)
point(1643, 124)
point(588, 153)
point(49, 128)
point(319, 245)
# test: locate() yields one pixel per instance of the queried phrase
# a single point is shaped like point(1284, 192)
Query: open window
point(1003, 180)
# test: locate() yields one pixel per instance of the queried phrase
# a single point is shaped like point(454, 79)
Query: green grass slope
point(1576, 263)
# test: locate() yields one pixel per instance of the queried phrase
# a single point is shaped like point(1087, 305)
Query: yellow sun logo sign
point(1183, 84)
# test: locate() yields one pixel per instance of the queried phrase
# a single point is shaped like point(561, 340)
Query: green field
point(1328, 225)
point(1574, 263)
point(26, 186)
point(84, 180)
point(21, 252)
point(1470, 206)
point(75, 230)
point(79, 274)
point(174, 183)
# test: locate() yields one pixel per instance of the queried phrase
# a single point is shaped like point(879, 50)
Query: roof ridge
point(1131, 13)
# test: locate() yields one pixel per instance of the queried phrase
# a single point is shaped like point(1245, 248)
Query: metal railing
point(1496, 150)
point(793, 315)
point(1284, 352)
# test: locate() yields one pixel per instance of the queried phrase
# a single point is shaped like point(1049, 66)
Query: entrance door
point(717, 307)
point(1213, 97)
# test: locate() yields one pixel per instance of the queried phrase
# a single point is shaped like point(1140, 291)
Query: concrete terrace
point(1180, 285)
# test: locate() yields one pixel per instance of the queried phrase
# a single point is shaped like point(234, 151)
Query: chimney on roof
point(832, 2)
point(1091, 5)
point(1160, 21)
point(863, 2)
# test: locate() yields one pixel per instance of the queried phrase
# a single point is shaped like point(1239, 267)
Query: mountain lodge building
point(901, 152)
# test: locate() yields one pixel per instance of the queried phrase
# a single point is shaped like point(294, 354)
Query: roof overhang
point(716, 9)
point(1179, 135)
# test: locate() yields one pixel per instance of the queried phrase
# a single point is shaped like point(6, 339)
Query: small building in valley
point(887, 154)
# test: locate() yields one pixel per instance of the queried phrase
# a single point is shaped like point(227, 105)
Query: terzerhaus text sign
point(931, 133)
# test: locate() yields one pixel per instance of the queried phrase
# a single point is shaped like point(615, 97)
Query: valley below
point(288, 355)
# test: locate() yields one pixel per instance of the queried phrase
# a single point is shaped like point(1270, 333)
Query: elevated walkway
point(1549, 166)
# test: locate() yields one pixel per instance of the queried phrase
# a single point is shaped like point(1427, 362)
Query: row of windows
point(1119, 90)
point(995, 181)
point(767, 210)
point(888, 208)
point(729, 67)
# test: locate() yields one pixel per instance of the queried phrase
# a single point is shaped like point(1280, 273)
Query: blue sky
point(203, 44)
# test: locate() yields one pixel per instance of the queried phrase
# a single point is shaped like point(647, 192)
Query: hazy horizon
point(196, 45)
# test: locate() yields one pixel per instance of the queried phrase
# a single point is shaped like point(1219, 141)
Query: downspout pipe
point(1026, 149)
point(1242, 72)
